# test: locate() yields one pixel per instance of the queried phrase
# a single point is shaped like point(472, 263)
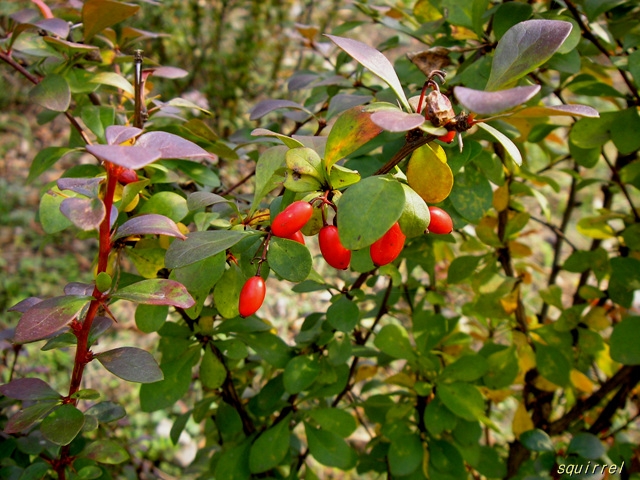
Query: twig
point(405, 150)
point(615, 176)
point(239, 183)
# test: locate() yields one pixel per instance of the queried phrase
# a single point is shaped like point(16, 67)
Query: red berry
point(441, 222)
point(252, 295)
point(448, 137)
point(386, 249)
point(291, 219)
point(332, 250)
point(127, 176)
point(297, 237)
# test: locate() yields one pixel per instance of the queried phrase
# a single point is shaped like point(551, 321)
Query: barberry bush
point(446, 189)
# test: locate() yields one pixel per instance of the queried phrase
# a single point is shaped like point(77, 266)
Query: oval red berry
point(332, 249)
point(386, 249)
point(127, 176)
point(251, 296)
point(291, 219)
point(441, 222)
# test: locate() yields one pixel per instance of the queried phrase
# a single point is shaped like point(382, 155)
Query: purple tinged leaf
point(198, 200)
point(28, 416)
point(524, 47)
point(125, 156)
point(57, 26)
point(489, 103)
point(131, 364)
point(117, 134)
point(169, 72)
point(375, 61)
point(24, 305)
point(397, 121)
point(172, 146)
point(201, 245)
point(53, 93)
point(47, 317)
point(288, 141)
point(89, 187)
point(152, 224)
point(558, 110)
point(29, 389)
point(301, 80)
point(85, 213)
point(77, 288)
point(344, 101)
point(71, 48)
point(98, 327)
point(156, 291)
point(267, 106)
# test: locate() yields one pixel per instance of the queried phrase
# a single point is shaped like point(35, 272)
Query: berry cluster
point(288, 224)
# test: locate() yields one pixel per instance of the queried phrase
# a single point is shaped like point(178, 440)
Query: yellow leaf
point(519, 250)
point(595, 227)
point(401, 379)
point(501, 197)
point(521, 421)
point(496, 396)
point(597, 319)
point(365, 372)
point(429, 175)
point(510, 302)
point(545, 385)
point(581, 381)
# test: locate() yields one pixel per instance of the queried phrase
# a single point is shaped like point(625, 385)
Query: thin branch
point(405, 150)
point(615, 176)
point(239, 183)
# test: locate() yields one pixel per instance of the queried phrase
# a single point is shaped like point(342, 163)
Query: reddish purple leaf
point(57, 26)
point(125, 156)
point(47, 317)
point(89, 187)
point(131, 364)
point(29, 389)
point(85, 213)
point(396, 120)
point(172, 146)
point(77, 288)
point(169, 72)
point(156, 291)
point(151, 223)
point(98, 327)
point(198, 200)
point(267, 106)
point(489, 103)
point(28, 416)
point(558, 110)
point(117, 134)
point(25, 304)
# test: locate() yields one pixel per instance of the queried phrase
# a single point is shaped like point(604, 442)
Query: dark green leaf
point(52, 92)
point(586, 445)
point(168, 204)
point(234, 463)
point(150, 318)
point(106, 451)
point(300, 373)
point(329, 449)
point(462, 268)
point(439, 418)
point(212, 370)
point(368, 209)
point(343, 315)
point(45, 159)
point(537, 441)
point(131, 364)
point(200, 245)
point(106, 412)
point(467, 368)
point(509, 14)
point(503, 368)
point(394, 341)
point(405, 454)
point(270, 447)
point(552, 364)
point(625, 347)
point(462, 399)
point(334, 420)
point(62, 425)
point(268, 346)
point(471, 195)
point(289, 259)
point(226, 293)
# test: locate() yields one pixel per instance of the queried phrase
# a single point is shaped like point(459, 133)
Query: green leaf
point(288, 141)
point(300, 373)
point(343, 314)
point(463, 399)
point(552, 364)
point(200, 245)
point(462, 268)
point(439, 418)
point(100, 14)
point(97, 118)
point(157, 291)
point(341, 177)
point(509, 146)
point(169, 204)
point(334, 420)
point(537, 441)
point(27, 416)
point(212, 370)
point(368, 209)
point(268, 346)
point(405, 454)
point(131, 364)
point(466, 369)
point(53, 93)
point(472, 194)
point(289, 259)
point(106, 451)
point(150, 318)
point(51, 218)
point(45, 159)
point(329, 449)
point(375, 61)
point(353, 129)
point(48, 316)
point(586, 445)
point(415, 216)
point(625, 347)
point(270, 448)
point(226, 293)
point(503, 368)
point(394, 341)
point(62, 425)
point(268, 176)
point(233, 464)
point(509, 14)
point(524, 47)
point(106, 412)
